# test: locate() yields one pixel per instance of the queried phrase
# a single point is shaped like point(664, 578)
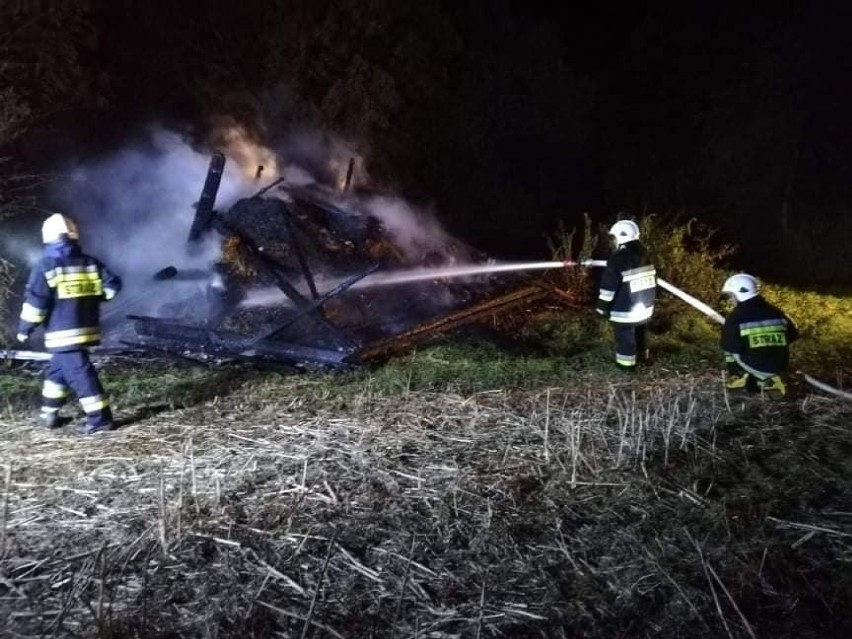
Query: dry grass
point(636, 509)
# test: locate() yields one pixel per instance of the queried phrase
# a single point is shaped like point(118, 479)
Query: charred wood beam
point(337, 290)
point(349, 171)
point(433, 328)
point(170, 353)
point(179, 355)
point(271, 268)
point(173, 335)
point(204, 209)
point(268, 187)
point(300, 255)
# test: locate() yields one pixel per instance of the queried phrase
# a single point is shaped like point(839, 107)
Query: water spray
point(417, 275)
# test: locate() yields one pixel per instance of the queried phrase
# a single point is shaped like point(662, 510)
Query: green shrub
point(565, 333)
point(825, 323)
point(575, 281)
point(687, 256)
point(685, 253)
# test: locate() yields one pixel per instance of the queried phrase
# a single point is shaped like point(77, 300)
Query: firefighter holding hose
point(63, 293)
point(628, 290)
point(756, 338)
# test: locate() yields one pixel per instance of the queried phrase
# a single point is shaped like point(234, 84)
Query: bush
point(825, 323)
point(686, 255)
point(575, 281)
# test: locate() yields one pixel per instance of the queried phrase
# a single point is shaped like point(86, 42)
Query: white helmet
point(742, 286)
point(624, 231)
point(58, 226)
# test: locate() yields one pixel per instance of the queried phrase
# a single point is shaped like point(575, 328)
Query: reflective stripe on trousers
point(749, 369)
point(630, 339)
point(75, 370)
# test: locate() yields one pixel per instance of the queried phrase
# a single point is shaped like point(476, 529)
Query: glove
point(22, 337)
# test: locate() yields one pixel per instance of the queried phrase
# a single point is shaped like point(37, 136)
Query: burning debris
point(290, 284)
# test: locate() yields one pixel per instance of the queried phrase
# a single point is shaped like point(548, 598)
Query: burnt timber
point(427, 331)
point(287, 236)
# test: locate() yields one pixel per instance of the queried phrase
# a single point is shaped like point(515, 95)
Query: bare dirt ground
point(643, 508)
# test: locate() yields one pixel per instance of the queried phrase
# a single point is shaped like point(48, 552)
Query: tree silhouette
point(45, 51)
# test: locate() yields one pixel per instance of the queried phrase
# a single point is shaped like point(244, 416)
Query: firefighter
point(628, 290)
point(63, 293)
point(756, 338)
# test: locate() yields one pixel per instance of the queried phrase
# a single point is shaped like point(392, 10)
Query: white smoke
point(293, 175)
point(255, 160)
point(414, 231)
point(21, 249)
point(135, 208)
point(323, 158)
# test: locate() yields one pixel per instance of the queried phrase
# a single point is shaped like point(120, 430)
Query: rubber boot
point(91, 429)
point(774, 384)
point(743, 381)
point(49, 420)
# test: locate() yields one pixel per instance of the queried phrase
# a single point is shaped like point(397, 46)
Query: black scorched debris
point(291, 239)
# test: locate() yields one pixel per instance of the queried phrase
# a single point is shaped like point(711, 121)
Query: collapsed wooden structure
point(292, 239)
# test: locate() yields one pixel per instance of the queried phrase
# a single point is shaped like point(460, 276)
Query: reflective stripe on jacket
point(628, 287)
point(758, 335)
point(64, 292)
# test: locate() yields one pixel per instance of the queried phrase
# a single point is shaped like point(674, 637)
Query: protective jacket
point(628, 287)
point(757, 335)
point(64, 292)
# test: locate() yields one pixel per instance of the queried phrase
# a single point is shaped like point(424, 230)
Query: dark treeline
point(506, 118)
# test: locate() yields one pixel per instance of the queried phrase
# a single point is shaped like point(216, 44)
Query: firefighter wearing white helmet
point(628, 290)
point(63, 294)
point(756, 338)
point(57, 227)
point(624, 231)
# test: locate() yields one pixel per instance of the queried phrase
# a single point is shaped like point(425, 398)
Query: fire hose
point(24, 356)
point(717, 317)
point(680, 294)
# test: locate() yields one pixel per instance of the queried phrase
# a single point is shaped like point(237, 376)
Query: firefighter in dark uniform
point(756, 338)
point(64, 292)
point(628, 290)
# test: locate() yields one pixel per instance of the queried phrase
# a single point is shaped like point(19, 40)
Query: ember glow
point(247, 154)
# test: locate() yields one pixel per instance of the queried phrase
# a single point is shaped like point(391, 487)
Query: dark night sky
point(512, 115)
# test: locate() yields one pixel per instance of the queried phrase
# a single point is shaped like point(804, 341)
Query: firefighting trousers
point(73, 371)
point(737, 366)
point(631, 340)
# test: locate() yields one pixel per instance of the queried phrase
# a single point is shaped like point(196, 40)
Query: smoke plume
point(135, 208)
